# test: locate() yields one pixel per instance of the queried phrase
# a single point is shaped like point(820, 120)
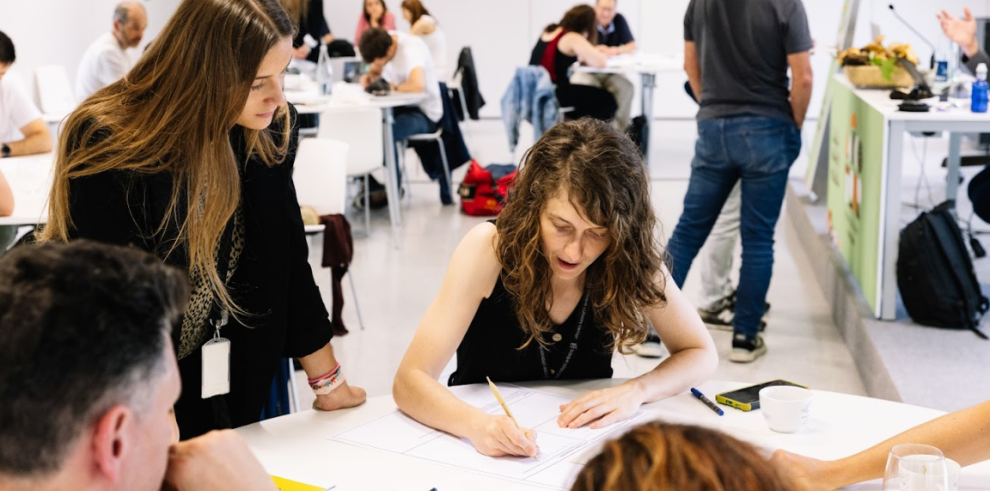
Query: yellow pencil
point(505, 407)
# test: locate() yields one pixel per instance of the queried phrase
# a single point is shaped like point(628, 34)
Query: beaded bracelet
point(327, 383)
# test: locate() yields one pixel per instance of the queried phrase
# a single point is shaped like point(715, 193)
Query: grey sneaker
point(746, 349)
point(719, 315)
point(650, 348)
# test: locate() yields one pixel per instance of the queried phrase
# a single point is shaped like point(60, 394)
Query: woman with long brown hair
point(190, 157)
point(570, 271)
point(658, 456)
point(424, 25)
point(307, 15)
point(564, 43)
point(374, 14)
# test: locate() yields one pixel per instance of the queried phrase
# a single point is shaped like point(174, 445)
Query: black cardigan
point(273, 280)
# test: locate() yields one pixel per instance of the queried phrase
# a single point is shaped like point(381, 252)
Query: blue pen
point(708, 402)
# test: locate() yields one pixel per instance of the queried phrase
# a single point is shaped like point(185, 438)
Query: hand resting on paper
point(603, 407)
point(498, 436)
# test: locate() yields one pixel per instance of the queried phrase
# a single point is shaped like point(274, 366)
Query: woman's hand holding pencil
point(499, 436)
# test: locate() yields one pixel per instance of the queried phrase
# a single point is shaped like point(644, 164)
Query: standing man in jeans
point(736, 55)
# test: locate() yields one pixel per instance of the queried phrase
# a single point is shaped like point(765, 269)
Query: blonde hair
point(166, 116)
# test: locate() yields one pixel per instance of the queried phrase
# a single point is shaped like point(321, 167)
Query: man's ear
point(110, 442)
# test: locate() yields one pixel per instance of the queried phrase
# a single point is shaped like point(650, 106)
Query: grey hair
point(120, 13)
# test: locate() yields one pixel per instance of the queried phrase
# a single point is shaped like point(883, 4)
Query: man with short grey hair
point(107, 59)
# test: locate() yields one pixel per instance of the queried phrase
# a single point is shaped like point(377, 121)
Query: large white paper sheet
point(562, 451)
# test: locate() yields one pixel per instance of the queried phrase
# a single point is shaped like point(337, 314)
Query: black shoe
point(747, 349)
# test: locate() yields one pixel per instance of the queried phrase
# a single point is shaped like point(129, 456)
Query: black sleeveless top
point(561, 63)
point(490, 346)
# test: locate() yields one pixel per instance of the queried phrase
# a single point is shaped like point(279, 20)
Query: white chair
point(54, 92)
point(320, 177)
point(425, 137)
point(361, 128)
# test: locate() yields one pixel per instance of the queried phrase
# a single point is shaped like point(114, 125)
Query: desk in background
point(30, 178)
point(308, 101)
point(866, 158)
point(647, 66)
point(298, 446)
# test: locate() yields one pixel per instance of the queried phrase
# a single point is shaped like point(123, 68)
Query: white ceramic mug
point(786, 408)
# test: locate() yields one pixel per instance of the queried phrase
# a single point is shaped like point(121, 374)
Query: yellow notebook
point(284, 484)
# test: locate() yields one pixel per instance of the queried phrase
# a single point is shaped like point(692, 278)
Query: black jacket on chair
point(469, 83)
point(273, 280)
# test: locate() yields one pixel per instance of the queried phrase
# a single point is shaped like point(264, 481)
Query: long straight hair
point(367, 16)
point(173, 113)
point(416, 8)
point(580, 19)
point(297, 10)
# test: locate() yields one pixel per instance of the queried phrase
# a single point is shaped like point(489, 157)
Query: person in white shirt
point(422, 24)
point(107, 59)
point(404, 62)
point(22, 131)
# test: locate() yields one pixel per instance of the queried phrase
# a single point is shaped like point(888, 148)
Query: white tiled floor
point(394, 287)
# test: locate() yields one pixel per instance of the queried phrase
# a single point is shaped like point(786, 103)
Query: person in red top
point(560, 46)
point(375, 14)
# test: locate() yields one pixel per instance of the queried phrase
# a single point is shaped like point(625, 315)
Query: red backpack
point(484, 189)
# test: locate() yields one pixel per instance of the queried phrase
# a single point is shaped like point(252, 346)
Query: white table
point(308, 102)
point(647, 66)
point(30, 178)
point(897, 123)
point(298, 446)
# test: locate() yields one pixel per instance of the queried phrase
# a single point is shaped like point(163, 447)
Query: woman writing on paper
point(195, 166)
point(570, 272)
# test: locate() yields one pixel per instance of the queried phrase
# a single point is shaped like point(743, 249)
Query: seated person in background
point(22, 132)
point(963, 32)
point(422, 24)
point(404, 62)
point(614, 38)
point(563, 44)
point(308, 17)
point(375, 14)
point(964, 436)
point(88, 378)
point(107, 60)
point(658, 456)
point(570, 272)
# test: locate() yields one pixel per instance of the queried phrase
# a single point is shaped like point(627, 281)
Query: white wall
point(57, 32)
point(501, 33)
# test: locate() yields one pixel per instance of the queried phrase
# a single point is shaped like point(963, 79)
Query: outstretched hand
point(960, 31)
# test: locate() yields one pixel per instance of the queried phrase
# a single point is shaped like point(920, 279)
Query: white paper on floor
point(562, 451)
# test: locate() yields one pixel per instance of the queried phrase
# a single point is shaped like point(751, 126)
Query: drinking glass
point(915, 467)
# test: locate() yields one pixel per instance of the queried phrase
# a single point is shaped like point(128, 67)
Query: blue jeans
point(758, 151)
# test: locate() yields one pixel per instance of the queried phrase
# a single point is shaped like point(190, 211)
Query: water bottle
point(942, 61)
point(980, 89)
point(324, 71)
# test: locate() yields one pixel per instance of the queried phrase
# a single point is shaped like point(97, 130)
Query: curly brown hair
point(604, 177)
point(659, 456)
